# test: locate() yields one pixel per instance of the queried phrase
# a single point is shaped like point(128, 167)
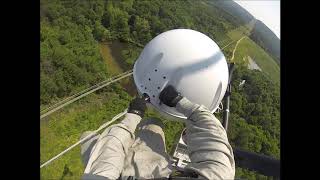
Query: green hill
point(265, 38)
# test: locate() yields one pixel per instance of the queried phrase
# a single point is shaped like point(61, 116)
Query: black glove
point(137, 106)
point(169, 96)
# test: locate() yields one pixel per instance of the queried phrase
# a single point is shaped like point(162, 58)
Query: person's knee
point(152, 121)
point(150, 131)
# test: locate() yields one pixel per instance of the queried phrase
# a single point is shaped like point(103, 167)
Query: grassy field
point(64, 128)
point(268, 65)
point(234, 35)
point(246, 48)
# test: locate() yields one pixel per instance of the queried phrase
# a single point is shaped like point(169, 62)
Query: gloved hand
point(169, 96)
point(137, 106)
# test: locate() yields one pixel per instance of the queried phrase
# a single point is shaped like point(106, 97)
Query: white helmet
point(186, 59)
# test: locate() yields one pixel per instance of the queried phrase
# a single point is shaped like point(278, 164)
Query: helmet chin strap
point(146, 97)
point(220, 108)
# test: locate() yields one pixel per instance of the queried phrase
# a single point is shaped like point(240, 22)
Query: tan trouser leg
point(151, 133)
point(87, 146)
point(147, 158)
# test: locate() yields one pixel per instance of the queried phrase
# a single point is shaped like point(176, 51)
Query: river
point(111, 53)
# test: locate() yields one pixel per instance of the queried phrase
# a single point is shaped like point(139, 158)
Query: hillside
point(265, 38)
point(260, 34)
point(237, 14)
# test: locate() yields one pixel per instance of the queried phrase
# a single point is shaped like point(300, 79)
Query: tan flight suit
point(119, 153)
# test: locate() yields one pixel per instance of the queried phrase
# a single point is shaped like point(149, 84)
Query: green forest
point(70, 61)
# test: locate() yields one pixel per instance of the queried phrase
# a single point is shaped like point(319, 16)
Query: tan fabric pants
point(146, 157)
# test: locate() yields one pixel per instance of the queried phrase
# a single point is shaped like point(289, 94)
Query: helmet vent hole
point(153, 96)
point(155, 70)
point(164, 77)
point(158, 87)
point(149, 79)
point(145, 87)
